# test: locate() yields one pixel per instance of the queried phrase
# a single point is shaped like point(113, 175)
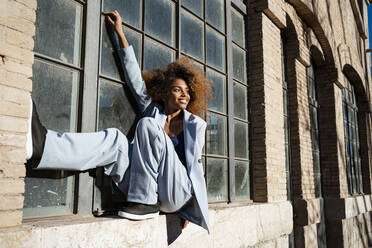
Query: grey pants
point(148, 170)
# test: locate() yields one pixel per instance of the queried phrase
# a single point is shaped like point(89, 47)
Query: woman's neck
point(173, 115)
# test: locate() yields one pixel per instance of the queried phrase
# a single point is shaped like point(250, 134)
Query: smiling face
point(178, 96)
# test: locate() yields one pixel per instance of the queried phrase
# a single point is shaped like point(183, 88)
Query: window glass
point(241, 180)
point(62, 19)
point(241, 139)
point(55, 93)
point(217, 179)
point(115, 109)
point(216, 135)
point(160, 20)
point(240, 101)
point(109, 62)
point(215, 14)
point(129, 10)
point(192, 36)
point(156, 55)
point(196, 6)
point(45, 196)
point(237, 26)
point(215, 51)
point(218, 102)
point(239, 64)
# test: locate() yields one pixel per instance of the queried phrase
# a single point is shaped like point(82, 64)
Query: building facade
point(287, 158)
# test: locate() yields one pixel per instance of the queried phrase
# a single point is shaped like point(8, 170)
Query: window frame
point(353, 171)
point(314, 104)
point(85, 199)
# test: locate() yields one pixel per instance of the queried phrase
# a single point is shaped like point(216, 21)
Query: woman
point(161, 168)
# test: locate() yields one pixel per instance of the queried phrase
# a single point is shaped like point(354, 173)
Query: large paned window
point(286, 120)
point(78, 86)
point(56, 81)
point(352, 147)
point(314, 129)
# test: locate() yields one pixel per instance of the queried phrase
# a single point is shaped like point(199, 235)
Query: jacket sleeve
point(133, 77)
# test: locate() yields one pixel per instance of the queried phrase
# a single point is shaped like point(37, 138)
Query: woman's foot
point(139, 211)
point(36, 135)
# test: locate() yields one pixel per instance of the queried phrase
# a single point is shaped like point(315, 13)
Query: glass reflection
point(240, 101)
point(192, 36)
point(218, 102)
point(239, 64)
point(238, 27)
point(160, 20)
point(115, 110)
point(216, 135)
point(58, 30)
point(129, 10)
point(55, 92)
point(195, 6)
point(156, 55)
point(215, 13)
point(215, 52)
point(217, 179)
point(109, 64)
point(242, 180)
point(241, 139)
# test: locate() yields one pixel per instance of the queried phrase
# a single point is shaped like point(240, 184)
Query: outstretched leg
point(78, 151)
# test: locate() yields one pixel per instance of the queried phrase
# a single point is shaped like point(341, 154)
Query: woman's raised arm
point(129, 63)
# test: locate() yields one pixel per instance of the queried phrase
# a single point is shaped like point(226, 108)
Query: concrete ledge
point(337, 209)
point(231, 227)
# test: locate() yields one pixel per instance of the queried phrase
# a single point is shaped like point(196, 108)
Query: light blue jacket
point(194, 127)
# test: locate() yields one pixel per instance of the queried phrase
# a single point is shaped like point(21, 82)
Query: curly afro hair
point(159, 80)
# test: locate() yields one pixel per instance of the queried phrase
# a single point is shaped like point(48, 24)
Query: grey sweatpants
point(152, 169)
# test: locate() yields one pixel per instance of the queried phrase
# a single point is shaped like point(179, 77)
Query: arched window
point(351, 132)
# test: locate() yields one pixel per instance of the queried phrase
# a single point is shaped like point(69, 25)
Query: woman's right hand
point(114, 18)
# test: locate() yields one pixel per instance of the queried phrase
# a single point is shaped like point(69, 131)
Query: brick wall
point(17, 18)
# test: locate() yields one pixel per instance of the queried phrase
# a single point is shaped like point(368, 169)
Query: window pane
point(239, 64)
point(240, 101)
point(314, 119)
point(195, 6)
point(241, 139)
point(156, 55)
point(216, 135)
point(109, 65)
point(192, 42)
point(238, 28)
point(115, 110)
point(44, 196)
point(160, 20)
point(285, 102)
point(218, 102)
point(129, 10)
point(217, 179)
point(215, 14)
point(215, 49)
point(241, 180)
point(58, 29)
point(55, 92)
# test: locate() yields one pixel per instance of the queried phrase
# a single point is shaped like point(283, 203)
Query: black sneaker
point(36, 136)
point(139, 211)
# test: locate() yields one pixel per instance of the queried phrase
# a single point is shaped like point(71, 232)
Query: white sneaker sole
point(137, 216)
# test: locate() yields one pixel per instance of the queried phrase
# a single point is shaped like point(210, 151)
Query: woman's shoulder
point(194, 118)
